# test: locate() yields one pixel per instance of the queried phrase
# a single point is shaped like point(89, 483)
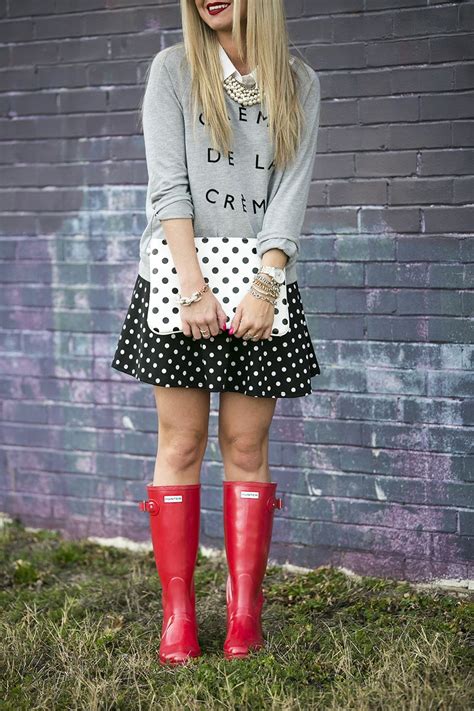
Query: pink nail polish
point(231, 331)
point(224, 326)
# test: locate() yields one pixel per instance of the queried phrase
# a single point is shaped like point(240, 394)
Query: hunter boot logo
point(249, 494)
point(173, 499)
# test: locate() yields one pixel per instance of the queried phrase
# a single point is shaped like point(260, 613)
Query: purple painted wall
point(376, 466)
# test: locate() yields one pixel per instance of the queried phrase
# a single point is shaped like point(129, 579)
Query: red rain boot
point(174, 522)
point(248, 523)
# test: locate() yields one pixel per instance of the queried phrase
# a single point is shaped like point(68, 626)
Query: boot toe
point(236, 651)
point(178, 657)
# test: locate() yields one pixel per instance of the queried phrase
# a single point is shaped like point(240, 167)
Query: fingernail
point(224, 326)
point(231, 331)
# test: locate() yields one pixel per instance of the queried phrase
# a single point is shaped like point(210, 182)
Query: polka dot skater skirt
point(279, 366)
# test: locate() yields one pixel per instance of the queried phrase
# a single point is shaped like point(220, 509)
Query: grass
point(80, 628)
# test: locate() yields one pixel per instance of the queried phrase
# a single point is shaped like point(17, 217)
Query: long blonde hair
point(266, 42)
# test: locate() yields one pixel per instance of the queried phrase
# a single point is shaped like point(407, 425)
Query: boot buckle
point(151, 506)
point(275, 503)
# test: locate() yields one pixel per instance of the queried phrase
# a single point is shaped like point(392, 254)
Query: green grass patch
point(80, 628)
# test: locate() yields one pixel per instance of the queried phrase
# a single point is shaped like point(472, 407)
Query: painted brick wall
point(376, 466)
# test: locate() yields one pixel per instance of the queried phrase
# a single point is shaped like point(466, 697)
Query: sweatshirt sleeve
point(284, 217)
point(163, 132)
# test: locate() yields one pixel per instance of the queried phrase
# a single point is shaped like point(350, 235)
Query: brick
point(467, 413)
point(347, 379)
point(403, 51)
point(393, 381)
point(396, 329)
point(445, 384)
point(448, 162)
point(399, 163)
point(428, 249)
point(319, 301)
point(360, 27)
point(336, 326)
point(389, 109)
point(336, 55)
point(447, 106)
point(452, 439)
point(334, 274)
point(327, 7)
point(363, 301)
point(449, 49)
point(341, 112)
point(459, 219)
point(29, 7)
point(331, 432)
point(422, 135)
point(425, 21)
point(413, 191)
point(448, 276)
point(459, 330)
point(394, 436)
point(435, 411)
point(398, 275)
point(463, 75)
point(369, 248)
point(356, 192)
point(466, 523)
point(84, 49)
point(364, 407)
point(429, 302)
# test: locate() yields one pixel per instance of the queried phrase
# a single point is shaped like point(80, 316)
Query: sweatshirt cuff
point(178, 208)
point(289, 246)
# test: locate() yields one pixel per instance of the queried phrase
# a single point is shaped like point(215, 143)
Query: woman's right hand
point(206, 314)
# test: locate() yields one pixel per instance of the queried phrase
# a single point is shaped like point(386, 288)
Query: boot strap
point(275, 503)
point(151, 506)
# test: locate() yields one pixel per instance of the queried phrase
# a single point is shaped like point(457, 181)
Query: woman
point(230, 122)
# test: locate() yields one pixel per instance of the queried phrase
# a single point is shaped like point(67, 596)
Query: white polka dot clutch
point(228, 265)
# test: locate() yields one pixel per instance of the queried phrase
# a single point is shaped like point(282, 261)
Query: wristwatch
point(275, 272)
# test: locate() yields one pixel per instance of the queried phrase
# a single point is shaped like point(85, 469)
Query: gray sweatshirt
point(242, 195)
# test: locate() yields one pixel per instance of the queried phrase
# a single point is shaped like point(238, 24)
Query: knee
point(183, 450)
point(245, 451)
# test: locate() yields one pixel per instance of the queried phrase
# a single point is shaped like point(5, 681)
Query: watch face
point(276, 273)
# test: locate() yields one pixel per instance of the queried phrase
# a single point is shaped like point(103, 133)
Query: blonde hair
point(266, 42)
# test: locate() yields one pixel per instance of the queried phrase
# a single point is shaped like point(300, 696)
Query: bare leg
point(244, 424)
point(249, 500)
point(183, 418)
point(174, 508)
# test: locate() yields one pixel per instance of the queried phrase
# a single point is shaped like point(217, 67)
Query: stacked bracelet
point(266, 288)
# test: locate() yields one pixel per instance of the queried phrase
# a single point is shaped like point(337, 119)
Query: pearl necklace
point(246, 95)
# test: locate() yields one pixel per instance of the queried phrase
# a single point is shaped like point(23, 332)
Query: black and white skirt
point(280, 366)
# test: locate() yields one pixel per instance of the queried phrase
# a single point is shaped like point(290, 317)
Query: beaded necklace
point(243, 94)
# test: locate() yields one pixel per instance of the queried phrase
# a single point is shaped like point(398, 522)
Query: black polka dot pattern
point(280, 366)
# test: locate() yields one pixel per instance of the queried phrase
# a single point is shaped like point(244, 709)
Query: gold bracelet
point(196, 296)
point(272, 289)
point(261, 296)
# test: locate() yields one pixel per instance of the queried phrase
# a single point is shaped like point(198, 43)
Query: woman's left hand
point(253, 318)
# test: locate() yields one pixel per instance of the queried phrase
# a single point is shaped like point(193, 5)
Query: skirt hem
point(217, 390)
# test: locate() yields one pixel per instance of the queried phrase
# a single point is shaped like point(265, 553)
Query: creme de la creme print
point(253, 152)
